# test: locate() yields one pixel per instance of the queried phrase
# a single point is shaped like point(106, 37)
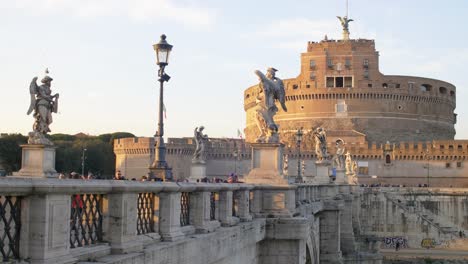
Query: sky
point(100, 54)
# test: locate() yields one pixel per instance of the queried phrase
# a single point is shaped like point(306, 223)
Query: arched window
point(387, 159)
point(426, 87)
point(442, 90)
point(384, 85)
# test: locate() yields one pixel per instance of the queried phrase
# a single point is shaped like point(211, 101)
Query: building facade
point(340, 87)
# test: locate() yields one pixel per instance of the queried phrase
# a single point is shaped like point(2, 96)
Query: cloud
point(138, 10)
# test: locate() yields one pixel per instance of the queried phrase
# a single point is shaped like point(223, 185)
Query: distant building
point(400, 129)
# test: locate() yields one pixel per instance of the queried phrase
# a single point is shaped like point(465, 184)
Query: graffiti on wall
point(432, 243)
point(390, 242)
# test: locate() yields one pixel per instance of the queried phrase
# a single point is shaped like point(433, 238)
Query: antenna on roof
point(346, 8)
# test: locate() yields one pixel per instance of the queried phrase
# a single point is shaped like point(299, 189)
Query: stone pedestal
point(341, 177)
point(351, 178)
point(267, 164)
point(322, 172)
point(37, 161)
point(197, 171)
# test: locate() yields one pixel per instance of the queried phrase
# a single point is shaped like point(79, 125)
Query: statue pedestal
point(197, 172)
point(37, 161)
point(322, 172)
point(341, 177)
point(267, 164)
point(351, 178)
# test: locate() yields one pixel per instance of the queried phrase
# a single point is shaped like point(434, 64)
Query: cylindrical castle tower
point(341, 89)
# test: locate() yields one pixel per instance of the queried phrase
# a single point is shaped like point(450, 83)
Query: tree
point(10, 151)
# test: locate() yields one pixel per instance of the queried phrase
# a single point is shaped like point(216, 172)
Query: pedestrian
point(460, 233)
point(397, 246)
point(119, 176)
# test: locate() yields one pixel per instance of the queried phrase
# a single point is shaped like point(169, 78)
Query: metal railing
point(185, 209)
point(85, 220)
point(10, 226)
point(145, 220)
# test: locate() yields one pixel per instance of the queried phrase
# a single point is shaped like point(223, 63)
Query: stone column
point(200, 212)
point(169, 216)
point(267, 164)
point(348, 245)
point(123, 213)
point(341, 177)
point(48, 224)
point(322, 174)
point(330, 230)
point(225, 209)
point(244, 206)
point(37, 161)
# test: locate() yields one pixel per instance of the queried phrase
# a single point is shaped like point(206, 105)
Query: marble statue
point(271, 89)
point(200, 140)
point(349, 163)
point(320, 138)
point(43, 104)
point(354, 169)
point(285, 165)
point(339, 159)
point(345, 23)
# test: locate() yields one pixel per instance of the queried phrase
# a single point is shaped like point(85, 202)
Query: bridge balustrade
point(53, 220)
point(10, 225)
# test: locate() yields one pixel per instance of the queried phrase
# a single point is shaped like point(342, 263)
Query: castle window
point(460, 147)
point(312, 75)
point(459, 164)
point(307, 86)
point(341, 106)
point(385, 85)
point(348, 63)
point(312, 64)
point(366, 74)
point(369, 85)
point(425, 88)
point(452, 93)
point(330, 63)
point(295, 86)
point(397, 85)
point(410, 85)
point(339, 82)
point(366, 63)
point(388, 159)
point(330, 82)
point(451, 147)
point(442, 90)
point(447, 165)
point(348, 81)
point(247, 96)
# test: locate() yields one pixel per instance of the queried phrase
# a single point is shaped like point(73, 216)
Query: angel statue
point(339, 159)
point(349, 163)
point(271, 89)
point(345, 22)
point(43, 103)
point(200, 139)
point(320, 138)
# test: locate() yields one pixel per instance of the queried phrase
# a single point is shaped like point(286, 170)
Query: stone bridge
point(417, 217)
point(97, 221)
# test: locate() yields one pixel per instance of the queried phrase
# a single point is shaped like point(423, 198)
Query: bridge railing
point(50, 220)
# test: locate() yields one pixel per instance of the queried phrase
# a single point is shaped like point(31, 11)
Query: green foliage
point(99, 154)
point(10, 151)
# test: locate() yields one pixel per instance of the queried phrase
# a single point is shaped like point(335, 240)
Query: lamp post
point(298, 142)
point(83, 157)
point(159, 167)
point(427, 158)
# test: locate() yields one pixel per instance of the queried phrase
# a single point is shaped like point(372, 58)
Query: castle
point(400, 129)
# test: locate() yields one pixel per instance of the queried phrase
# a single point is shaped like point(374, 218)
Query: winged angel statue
point(43, 103)
point(271, 89)
point(200, 140)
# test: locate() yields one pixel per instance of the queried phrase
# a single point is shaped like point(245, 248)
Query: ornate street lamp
point(159, 168)
point(298, 142)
